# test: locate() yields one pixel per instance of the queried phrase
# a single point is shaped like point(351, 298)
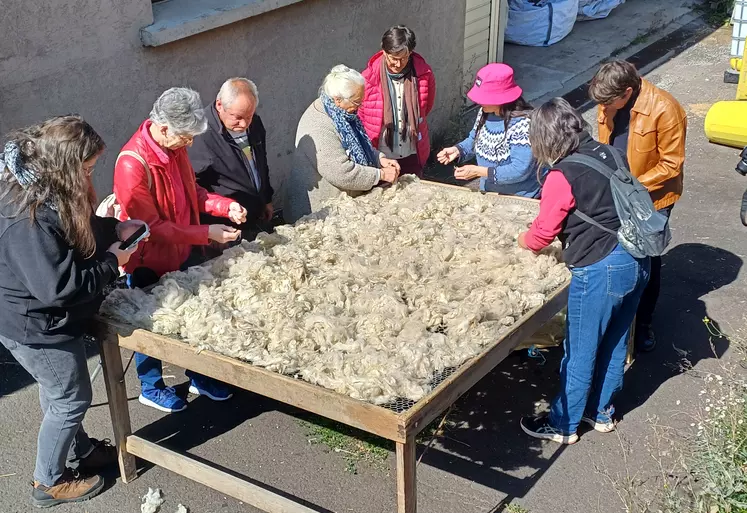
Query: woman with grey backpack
point(591, 203)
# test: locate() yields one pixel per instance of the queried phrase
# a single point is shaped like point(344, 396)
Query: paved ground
point(486, 462)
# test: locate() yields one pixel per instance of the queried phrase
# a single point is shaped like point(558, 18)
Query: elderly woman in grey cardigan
point(333, 152)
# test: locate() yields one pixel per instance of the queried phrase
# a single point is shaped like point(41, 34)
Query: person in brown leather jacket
point(648, 126)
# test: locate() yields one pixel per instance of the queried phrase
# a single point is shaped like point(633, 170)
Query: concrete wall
point(85, 57)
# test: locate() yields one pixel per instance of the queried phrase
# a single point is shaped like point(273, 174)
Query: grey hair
point(341, 82)
point(555, 131)
point(233, 87)
point(180, 109)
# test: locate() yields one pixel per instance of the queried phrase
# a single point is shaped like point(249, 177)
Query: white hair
point(180, 109)
point(342, 82)
point(232, 87)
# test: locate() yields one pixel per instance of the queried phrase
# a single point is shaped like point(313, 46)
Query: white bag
point(596, 9)
point(109, 207)
point(540, 23)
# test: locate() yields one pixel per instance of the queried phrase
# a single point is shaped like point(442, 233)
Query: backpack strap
point(593, 163)
point(136, 156)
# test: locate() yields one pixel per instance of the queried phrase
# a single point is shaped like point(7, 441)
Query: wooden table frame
point(400, 428)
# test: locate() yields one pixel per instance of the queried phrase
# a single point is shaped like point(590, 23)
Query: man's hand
point(448, 155)
point(268, 212)
point(237, 213)
point(222, 234)
point(385, 162)
point(470, 172)
point(126, 229)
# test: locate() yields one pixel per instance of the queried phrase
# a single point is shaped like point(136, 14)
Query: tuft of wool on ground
point(370, 297)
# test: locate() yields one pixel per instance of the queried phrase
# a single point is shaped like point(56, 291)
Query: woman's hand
point(523, 240)
point(123, 255)
point(222, 234)
point(389, 174)
point(236, 213)
point(448, 155)
point(385, 162)
point(126, 229)
point(470, 172)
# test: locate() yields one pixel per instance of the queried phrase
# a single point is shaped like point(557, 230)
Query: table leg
point(116, 392)
point(407, 494)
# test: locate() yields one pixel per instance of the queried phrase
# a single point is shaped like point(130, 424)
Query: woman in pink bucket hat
point(499, 140)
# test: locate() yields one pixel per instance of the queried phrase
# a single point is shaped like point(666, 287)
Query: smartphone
point(136, 237)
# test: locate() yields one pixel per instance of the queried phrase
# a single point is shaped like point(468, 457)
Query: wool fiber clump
point(370, 297)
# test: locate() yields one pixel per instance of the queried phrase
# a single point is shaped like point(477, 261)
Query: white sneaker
point(602, 427)
point(539, 427)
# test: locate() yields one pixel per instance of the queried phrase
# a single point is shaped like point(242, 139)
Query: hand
point(389, 174)
point(268, 212)
point(385, 162)
point(126, 229)
point(470, 172)
point(448, 155)
point(523, 240)
point(123, 255)
point(236, 213)
point(222, 234)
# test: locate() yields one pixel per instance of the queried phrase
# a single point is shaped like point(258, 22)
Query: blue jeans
point(602, 302)
point(65, 395)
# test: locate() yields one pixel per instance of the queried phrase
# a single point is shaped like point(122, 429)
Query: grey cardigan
point(321, 167)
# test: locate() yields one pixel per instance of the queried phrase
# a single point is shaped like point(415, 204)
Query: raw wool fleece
point(370, 297)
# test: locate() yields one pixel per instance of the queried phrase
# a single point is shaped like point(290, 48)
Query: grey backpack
point(643, 231)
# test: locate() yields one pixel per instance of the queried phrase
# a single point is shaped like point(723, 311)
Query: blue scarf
point(355, 141)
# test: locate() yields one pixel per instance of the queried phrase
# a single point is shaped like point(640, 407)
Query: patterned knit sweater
point(511, 168)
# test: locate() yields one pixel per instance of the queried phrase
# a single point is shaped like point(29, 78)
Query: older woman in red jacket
point(400, 92)
point(154, 181)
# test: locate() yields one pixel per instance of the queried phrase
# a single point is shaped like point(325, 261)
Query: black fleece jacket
point(48, 291)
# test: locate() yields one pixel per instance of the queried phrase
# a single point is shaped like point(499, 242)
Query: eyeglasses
point(398, 59)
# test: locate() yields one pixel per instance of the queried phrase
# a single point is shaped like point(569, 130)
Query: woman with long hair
point(606, 281)
point(56, 258)
point(499, 139)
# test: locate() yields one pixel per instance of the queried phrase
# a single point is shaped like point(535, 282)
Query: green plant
point(717, 12)
point(515, 508)
point(354, 445)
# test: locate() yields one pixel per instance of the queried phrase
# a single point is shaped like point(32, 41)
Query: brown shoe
point(68, 488)
point(104, 455)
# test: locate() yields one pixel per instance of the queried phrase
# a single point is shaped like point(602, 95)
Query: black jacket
point(583, 243)
point(220, 167)
point(48, 291)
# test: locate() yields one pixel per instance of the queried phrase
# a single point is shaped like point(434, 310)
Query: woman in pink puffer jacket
point(400, 92)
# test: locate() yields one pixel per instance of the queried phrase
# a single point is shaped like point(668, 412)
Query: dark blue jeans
point(602, 303)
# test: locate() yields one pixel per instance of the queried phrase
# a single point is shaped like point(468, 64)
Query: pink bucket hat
point(495, 85)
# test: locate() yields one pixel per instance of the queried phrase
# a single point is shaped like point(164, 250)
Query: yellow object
point(742, 86)
point(726, 123)
point(735, 63)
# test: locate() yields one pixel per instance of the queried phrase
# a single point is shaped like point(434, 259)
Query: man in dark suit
point(230, 159)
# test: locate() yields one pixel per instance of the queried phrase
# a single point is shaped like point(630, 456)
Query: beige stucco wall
point(85, 57)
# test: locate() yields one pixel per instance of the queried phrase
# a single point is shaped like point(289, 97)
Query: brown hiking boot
point(69, 488)
point(103, 455)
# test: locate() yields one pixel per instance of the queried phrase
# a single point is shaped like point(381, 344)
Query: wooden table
point(400, 427)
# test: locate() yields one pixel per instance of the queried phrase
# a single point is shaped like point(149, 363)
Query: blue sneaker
point(215, 390)
point(164, 399)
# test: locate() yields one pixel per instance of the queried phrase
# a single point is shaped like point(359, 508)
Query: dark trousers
point(650, 296)
point(411, 166)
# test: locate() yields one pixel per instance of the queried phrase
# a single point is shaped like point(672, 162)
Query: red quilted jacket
point(170, 242)
point(371, 111)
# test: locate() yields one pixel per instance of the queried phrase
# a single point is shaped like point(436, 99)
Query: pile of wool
point(371, 297)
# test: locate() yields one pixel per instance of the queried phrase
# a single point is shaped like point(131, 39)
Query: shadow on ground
point(484, 443)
